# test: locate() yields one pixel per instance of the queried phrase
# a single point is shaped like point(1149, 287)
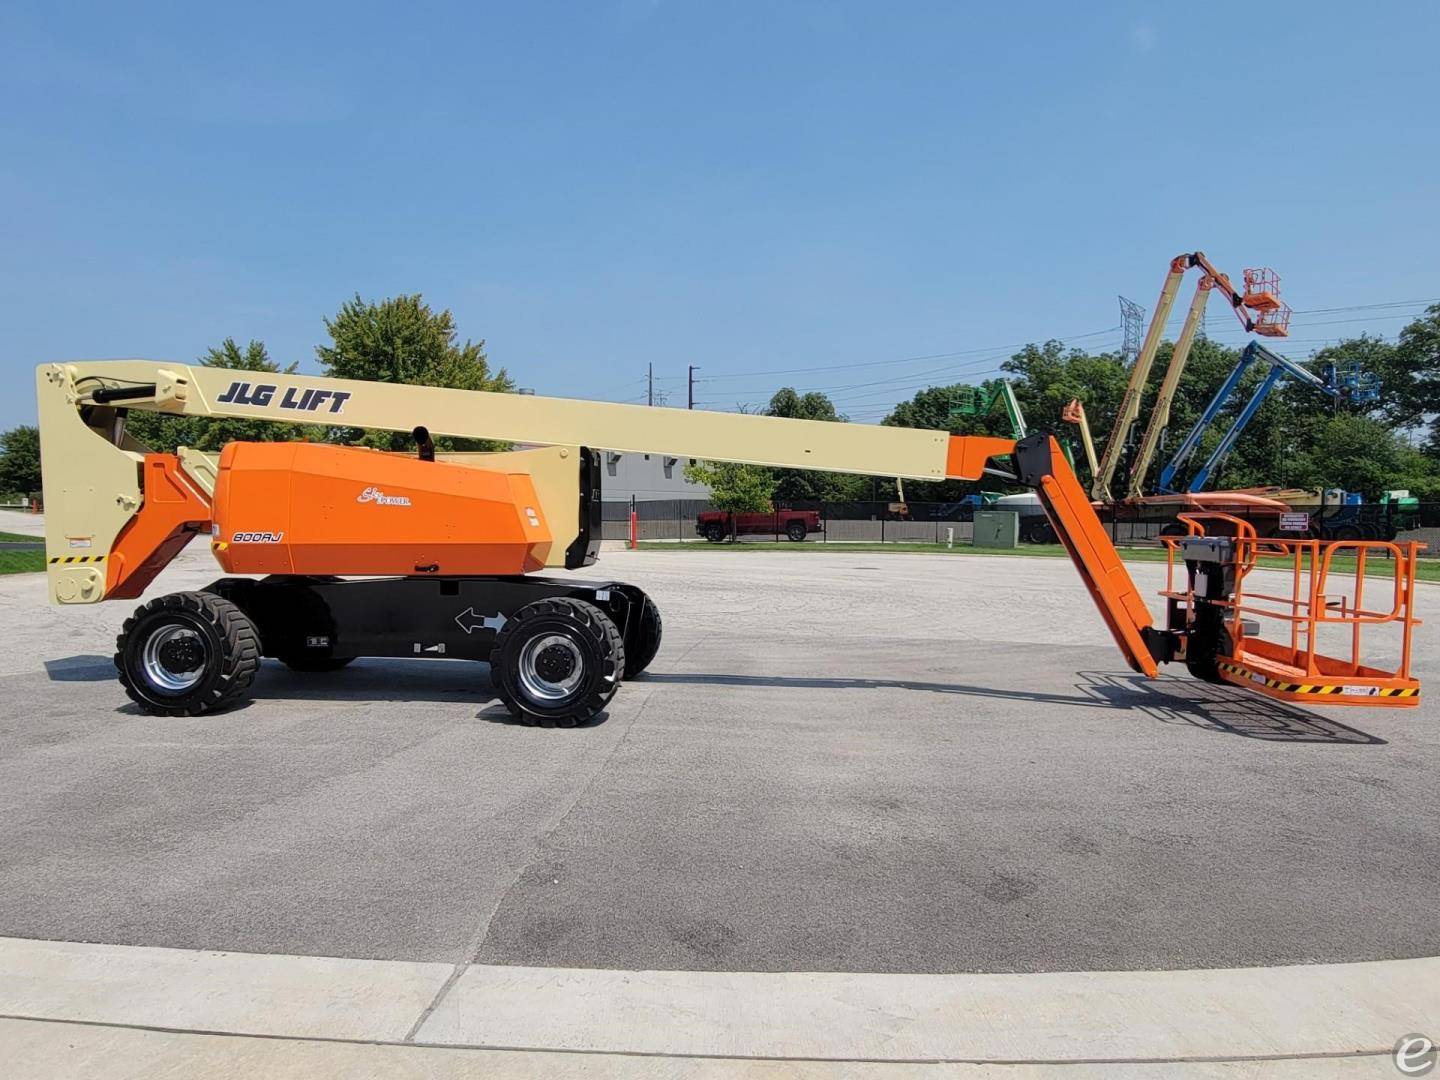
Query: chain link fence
point(941, 523)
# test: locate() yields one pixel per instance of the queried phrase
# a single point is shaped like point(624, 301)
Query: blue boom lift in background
point(1351, 384)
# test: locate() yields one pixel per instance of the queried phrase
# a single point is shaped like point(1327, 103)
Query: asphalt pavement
point(840, 762)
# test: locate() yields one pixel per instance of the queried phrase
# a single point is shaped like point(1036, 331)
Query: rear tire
point(557, 662)
point(646, 641)
point(187, 653)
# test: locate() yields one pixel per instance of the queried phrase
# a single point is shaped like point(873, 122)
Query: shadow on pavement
point(83, 668)
point(1223, 708)
point(379, 679)
point(1210, 706)
point(1173, 701)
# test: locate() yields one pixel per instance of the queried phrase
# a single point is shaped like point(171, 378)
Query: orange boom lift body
point(293, 508)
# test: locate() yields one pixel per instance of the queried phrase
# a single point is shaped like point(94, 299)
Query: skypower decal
point(379, 498)
point(262, 396)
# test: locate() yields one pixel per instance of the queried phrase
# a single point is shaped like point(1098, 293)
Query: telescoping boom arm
point(98, 497)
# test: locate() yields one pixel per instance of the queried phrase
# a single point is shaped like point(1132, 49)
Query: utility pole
point(1132, 319)
point(650, 384)
point(690, 397)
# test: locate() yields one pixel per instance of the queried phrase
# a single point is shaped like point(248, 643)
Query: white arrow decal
point(468, 621)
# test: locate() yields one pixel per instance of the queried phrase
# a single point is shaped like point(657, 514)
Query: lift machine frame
point(372, 554)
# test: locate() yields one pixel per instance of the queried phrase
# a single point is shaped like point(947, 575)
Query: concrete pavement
point(65, 1003)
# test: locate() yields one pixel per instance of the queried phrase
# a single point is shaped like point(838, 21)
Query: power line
point(1366, 307)
point(854, 395)
point(907, 359)
point(982, 364)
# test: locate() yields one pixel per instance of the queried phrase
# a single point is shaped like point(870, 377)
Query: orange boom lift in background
point(371, 554)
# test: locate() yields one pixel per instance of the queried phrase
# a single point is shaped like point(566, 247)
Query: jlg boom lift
point(1259, 310)
point(372, 554)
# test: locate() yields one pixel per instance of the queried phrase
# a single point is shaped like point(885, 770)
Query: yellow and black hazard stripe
point(1313, 688)
point(66, 560)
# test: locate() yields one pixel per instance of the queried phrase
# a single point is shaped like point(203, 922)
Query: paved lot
point(862, 762)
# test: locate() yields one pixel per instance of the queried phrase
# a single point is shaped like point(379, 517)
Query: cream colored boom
point(758, 440)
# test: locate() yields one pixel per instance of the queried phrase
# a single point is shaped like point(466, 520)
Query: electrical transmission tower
point(1132, 317)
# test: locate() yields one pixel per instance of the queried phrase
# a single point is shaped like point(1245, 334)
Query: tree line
point(1298, 438)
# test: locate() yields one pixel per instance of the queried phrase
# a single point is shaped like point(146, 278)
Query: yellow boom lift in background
point(1259, 310)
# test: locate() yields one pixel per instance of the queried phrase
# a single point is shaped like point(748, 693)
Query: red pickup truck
point(717, 525)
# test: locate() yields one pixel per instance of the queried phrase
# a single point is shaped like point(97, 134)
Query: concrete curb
point(1313, 1013)
point(51, 1050)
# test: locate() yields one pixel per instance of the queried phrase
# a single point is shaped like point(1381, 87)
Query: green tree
point(20, 461)
point(402, 340)
point(741, 489)
point(1418, 351)
point(1047, 377)
point(808, 485)
point(164, 432)
point(1362, 454)
point(934, 407)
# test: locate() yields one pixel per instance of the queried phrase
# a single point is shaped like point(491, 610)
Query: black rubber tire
point(315, 663)
point(1345, 532)
point(1209, 640)
point(232, 648)
point(1038, 531)
point(714, 532)
point(1174, 528)
point(646, 641)
point(796, 531)
point(598, 642)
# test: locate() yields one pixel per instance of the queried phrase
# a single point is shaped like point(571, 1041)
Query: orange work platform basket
point(1304, 591)
point(1271, 316)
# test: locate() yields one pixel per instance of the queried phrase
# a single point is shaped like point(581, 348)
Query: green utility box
point(997, 529)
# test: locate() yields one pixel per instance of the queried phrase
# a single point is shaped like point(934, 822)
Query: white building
point(648, 477)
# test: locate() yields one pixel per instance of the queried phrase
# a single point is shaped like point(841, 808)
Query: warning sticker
point(1294, 522)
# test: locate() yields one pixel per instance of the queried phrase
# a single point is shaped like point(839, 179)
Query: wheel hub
point(174, 658)
point(554, 663)
point(551, 667)
point(180, 655)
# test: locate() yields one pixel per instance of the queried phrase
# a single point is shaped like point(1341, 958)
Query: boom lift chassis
point(371, 554)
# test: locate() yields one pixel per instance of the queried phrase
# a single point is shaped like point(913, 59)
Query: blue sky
point(752, 188)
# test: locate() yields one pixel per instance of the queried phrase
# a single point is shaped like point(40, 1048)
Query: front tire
point(715, 532)
point(796, 531)
point(187, 653)
point(557, 662)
